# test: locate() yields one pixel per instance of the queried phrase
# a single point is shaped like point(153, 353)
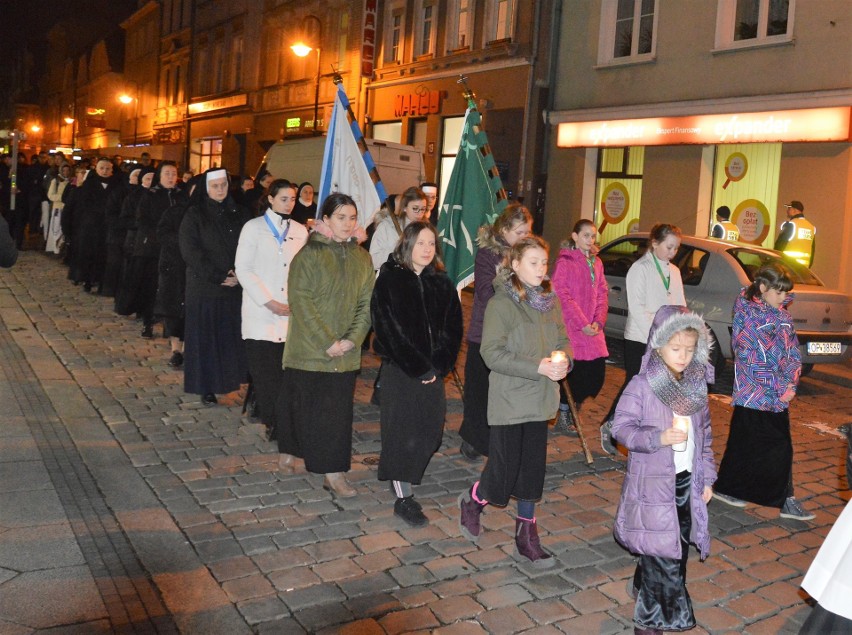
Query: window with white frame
point(499, 19)
point(745, 23)
point(459, 25)
point(628, 31)
point(426, 26)
point(394, 31)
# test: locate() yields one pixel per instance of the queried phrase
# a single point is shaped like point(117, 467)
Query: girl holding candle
point(523, 336)
point(663, 419)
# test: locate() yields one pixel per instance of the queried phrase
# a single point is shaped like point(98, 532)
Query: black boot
point(527, 544)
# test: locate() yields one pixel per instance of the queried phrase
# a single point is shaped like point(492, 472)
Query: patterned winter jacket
point(766, 354)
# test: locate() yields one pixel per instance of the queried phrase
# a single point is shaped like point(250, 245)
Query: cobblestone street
point(127, 506)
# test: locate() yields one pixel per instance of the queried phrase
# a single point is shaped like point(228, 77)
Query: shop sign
point(420, 104)
point(814, 124)
point(95, 122)
point(218, 104)
point(93, 112)
point(368, 37)
point(175, 134)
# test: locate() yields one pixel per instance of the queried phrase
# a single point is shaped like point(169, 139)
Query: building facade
point(501, 47)
point(666, 110)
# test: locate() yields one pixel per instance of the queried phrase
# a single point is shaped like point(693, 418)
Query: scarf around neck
point(536, 296)
point(684, 397)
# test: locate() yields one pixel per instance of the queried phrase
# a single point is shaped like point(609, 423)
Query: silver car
point(714, 272)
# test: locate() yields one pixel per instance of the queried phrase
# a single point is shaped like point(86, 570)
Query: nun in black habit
point(214, 355)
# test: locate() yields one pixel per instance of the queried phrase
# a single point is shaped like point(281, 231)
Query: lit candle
point(557, 357)
point(682, 424)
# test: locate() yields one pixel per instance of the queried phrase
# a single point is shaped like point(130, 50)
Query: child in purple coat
point(670, 471)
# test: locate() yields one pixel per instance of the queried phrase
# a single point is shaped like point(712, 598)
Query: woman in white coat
point(266, 248)
point(390, 223)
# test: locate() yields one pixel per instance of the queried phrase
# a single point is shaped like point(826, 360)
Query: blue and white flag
point(347, 166)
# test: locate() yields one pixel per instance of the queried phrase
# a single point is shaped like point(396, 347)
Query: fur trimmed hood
point(487, 239)
point(670, 319)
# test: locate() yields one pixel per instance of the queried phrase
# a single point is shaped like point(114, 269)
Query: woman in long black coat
point(90, 206)
point(126, 292)
point(417, 320)
point(171, 281)
point(162, 196)
point(214, 356)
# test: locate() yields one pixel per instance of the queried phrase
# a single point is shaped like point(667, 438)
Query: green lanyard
point(666, 281)
point(590, 261)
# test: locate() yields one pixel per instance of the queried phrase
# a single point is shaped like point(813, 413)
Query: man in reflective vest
point(723, 228)
point(797, 235)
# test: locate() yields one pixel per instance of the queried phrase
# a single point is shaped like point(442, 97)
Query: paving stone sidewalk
point(215, 540)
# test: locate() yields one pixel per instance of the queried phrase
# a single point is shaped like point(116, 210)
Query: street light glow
point(69, 120)
point(35, 128)
point(125, 99)
point(301, 49)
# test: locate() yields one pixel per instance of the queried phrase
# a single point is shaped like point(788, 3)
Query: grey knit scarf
point(684, 397)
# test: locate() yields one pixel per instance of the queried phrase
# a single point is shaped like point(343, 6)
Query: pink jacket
point(582, 301)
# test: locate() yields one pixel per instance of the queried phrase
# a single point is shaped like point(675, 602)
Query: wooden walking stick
point(576, 415)
point(458, 381)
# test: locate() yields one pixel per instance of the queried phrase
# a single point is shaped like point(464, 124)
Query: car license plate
point(823, 348)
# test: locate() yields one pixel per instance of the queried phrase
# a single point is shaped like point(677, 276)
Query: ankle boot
point(336, 483)
point(469, 512)
point(285, 463)
point(528, 546)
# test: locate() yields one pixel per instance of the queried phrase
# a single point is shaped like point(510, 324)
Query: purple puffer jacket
point(646, 521)
point(583, 302)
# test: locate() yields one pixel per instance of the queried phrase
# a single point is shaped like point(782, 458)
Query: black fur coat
point(417, 320)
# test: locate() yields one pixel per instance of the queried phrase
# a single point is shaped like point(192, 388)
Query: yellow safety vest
point(730, 231)
point(801, 245)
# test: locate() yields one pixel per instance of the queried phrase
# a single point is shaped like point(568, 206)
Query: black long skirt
point(662, 601)
point(474, 428)
point(267, 376)
point(214, 354)
point(412, 424)
point(758, 462)
point(314, 418)
point(585, 380)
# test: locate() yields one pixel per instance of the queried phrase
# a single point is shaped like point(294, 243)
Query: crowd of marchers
point(256, 286)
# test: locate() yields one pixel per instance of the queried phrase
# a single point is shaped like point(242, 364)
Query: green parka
point(329, 289)
point(515, 338)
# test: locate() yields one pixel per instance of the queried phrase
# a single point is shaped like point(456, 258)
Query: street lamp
point(301, 50)
point(125, 99)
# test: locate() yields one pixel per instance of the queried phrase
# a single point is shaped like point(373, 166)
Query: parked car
point(714, 272)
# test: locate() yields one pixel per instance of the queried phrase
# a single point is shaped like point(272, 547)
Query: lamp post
point(301, 50)
point(125, 99)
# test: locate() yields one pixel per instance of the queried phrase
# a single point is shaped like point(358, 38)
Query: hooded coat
point(515, 338)
point(329, 289)
point(646, 520)
point(583, 301)
point(766, 354)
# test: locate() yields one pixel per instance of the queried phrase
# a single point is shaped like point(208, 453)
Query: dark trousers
point(516, 461)
point(662, 601)
point(267, 376)
point(474, 428)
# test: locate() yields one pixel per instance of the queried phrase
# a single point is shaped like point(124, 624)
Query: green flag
point(474, 197)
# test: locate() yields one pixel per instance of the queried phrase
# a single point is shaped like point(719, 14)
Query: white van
point(300, 160)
